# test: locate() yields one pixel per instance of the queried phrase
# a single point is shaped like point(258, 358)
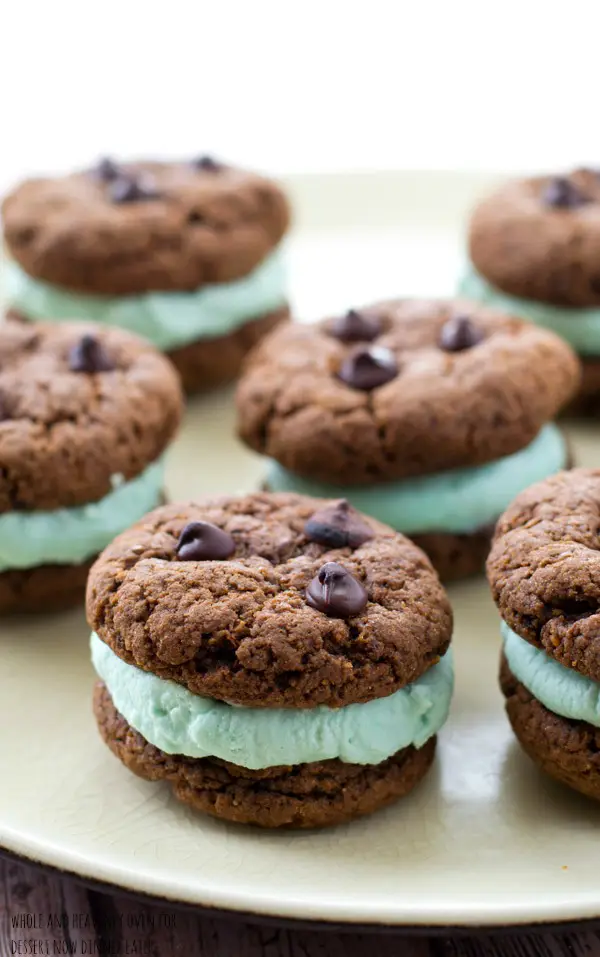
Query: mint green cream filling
point(67, 536)
point(560, 689)
point(457, 501)
point(178, 722)
point(167, 319)
point(579, 327)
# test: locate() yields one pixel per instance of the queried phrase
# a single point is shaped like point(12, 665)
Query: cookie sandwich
point(428, 415)
point(275, 665)
point(534, 247)
point(185, 254)
point(86, 414)
point(544, 572)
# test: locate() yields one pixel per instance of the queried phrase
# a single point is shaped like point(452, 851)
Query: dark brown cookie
point(47, 588)
point(528, 243)
point(587, 401)
point(242, 630)
point(65, 433)
point(306, 795)
point(446, 408)
point(544, 568)
point(456, 556)
point(567, 750)
point(193, 227)
point(209, 363)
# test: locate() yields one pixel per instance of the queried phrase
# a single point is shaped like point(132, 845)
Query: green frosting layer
point(68, 536)
point(561, 690)
point(458, 501)
point(579, 327)
point(178, 722)
point(167, 319)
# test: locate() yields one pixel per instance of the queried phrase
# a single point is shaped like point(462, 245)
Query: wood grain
point(43, 914)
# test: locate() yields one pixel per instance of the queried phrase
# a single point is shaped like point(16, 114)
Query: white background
point(301, 85)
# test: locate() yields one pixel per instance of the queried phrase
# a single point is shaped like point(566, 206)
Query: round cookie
point(329, 637)
point(185, 254)
point(186, 227)
point(544, 568)
point(86, 415)
point(317, 795)
point(429, 415)
point(567, 750)
point(442, 410)
point(539, 238)
point(534, 246)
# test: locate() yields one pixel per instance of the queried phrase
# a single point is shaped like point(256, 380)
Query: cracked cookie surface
point(241, 630)
point(203, 226)
point(65, 435)
point(567, 750)
point(533, 250)
point(443, 410)
point(544, 568)
point(307, 795)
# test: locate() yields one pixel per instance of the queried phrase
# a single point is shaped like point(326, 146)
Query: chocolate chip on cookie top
point(201, 542)
point(333, 411)
point(256, 629)
point(355, 327)
point(544, 568)
point(82, 404)
point(136, 227)
point(338, 525)
point(539, 238)
point(89, 355)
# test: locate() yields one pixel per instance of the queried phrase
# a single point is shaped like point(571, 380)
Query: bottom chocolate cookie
point(456, 556)
point(302, 796)
point(45, 588)
point(209, 363)
point(567, 750)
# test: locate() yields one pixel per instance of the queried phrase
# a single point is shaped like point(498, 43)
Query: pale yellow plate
point(485, 840)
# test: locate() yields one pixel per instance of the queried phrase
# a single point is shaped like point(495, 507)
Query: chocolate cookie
point(280, 660)
point(256, 641)
point(567, 750)
point(544, 569)
point(85, 416)
point(431, 421)
point(314, 795)
point(184, 228)
point(184, 254)
point(539, 238)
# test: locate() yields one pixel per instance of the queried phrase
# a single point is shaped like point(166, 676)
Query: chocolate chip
point(355, 327)
point(368, 368)
point(201, 542)
point(338, 526)
point(208, 164)
point(107, 170)
point(561, 193)
point(459, 333)
point(131, 189)
point(89, 355)
point(336, 592)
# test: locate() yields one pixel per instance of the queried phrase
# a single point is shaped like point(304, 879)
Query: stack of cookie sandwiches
point(86, 414)
point(544, 572)
point(185, 254)
point(428, 415)
point(535, 247)
point(277, 661)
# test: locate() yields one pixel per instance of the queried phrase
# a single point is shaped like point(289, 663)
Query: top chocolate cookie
point(270, 601)
point(539, 238)
point(121, 229)
point(544, 568)
point(432, 385)
point(79, 405)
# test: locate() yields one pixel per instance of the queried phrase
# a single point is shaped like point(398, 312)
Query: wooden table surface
point(44, 914)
